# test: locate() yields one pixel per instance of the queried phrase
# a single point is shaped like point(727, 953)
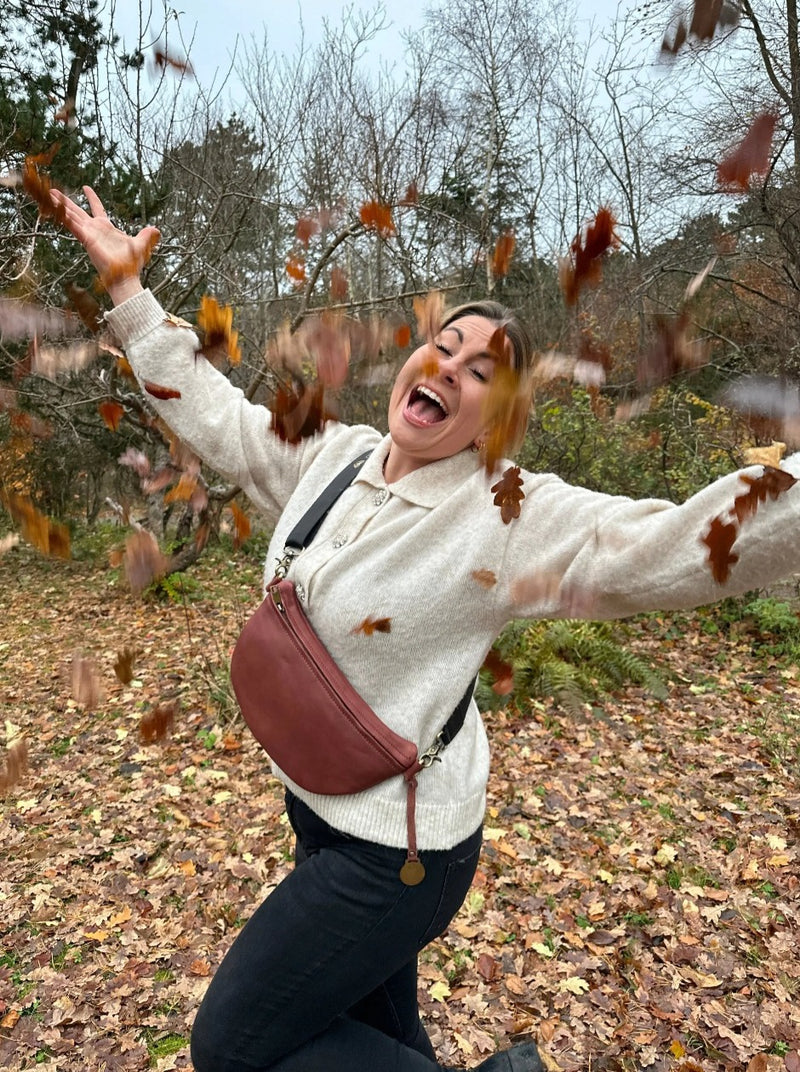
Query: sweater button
point(301, 592)
point(381, 497)
point(339, 540)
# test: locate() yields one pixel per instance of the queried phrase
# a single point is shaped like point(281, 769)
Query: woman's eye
point(443, 349)
point(478, 375)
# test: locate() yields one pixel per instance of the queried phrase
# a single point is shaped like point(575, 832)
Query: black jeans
point(323, 977)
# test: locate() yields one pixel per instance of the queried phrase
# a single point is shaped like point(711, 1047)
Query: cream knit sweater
point(409, 551)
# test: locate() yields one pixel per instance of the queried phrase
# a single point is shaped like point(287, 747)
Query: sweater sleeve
point(579, 553)
point(210, 415)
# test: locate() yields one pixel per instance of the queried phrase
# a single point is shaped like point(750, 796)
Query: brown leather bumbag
point(303, 710)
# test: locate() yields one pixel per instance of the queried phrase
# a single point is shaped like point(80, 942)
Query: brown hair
point(516, 332)
point(510, 425)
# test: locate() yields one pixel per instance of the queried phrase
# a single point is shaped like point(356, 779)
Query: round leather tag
point(412, 872)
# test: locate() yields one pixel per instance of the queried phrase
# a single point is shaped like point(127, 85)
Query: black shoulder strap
point(306, 528)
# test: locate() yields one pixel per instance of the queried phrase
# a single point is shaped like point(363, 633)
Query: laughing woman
point(323, 976)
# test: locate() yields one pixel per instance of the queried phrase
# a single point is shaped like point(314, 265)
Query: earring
point(477, 447)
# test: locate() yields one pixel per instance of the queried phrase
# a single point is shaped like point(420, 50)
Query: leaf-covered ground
point(637, 904)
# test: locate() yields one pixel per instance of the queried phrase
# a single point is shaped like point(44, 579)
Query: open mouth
point(426, 406)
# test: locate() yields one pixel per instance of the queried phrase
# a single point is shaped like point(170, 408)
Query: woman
point(323, 977)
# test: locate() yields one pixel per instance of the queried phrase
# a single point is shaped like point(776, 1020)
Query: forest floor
point(637, 904)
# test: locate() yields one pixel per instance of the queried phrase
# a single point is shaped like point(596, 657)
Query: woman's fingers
point(95, 204)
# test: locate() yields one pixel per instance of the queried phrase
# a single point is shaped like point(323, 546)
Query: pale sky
point(212, 26)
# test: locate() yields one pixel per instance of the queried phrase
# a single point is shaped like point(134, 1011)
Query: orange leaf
point(155, 725)
point(86, 687)
point(509, 494)
point(216, 323)
point(86, 306)
point(329, 341)
point(428, 313)
point(163, 60)
point(124, 368)
point(410, 197)
point(296, 269)
point(144, 562)
point(200, 967)
point(503, 251)
point(402, 336)
point(583, 267)
point(123, 665)
point(377, 217)
point(47, 536)
point(241, 525)
point(111, 412)
point(16, 764)
point(338, 284)
point(299, 411)
point(772, 483)
point(501, 671)
point(750, 157)
point(373, 625)
point(157, 391)
point(306, 227)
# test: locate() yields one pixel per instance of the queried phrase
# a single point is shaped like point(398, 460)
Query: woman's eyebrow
point(458, 331)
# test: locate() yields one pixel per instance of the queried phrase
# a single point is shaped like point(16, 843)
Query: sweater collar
point(424, 486)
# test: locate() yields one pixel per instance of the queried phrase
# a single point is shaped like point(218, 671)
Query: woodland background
point(637, 904)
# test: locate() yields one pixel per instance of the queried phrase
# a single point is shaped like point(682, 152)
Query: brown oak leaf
point(719, 540)
point(508, 494)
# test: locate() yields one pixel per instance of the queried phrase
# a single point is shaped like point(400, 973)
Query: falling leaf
point(338, 284)
point(506, 404)
point(86, 686)
point(157, 391)
point(45, 535)
point(296, 269)
point(299, 411)
point(7, 542)
point(373, 625)
point(163, 60)
point(86, 306)
point(143, 562)
point(216, 323)
point(183, 491)
point(136, 460)
point(402, 336)
point(123, 664)
point(672, 351)
point(719, 539)
point(377, 217)
point(112, 413)
point(503, 251)
point(15, 766)
point(49, 361)
point(772, 483)
point(410, 197)
point(156, 724)
point(508, 494)
point(707, 15)
point(697, 281)
point(132, 266)
point(38, 186)
point(484, 577)
point(241, 524)
point(328, 341)
point(750, 157)
point(583, 267)
point(501, 671)
point(306, 227)
point(428, 312)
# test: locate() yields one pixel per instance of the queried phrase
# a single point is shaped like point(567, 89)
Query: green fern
point(575, 662)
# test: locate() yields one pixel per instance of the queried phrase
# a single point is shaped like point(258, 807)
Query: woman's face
point(437, 404)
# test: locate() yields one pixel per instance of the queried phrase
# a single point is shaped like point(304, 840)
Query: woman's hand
point(117, 256)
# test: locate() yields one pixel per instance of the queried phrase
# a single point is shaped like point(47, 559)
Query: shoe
point(522, 1058)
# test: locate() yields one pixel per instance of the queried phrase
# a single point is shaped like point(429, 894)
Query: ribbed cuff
point(135, 318)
